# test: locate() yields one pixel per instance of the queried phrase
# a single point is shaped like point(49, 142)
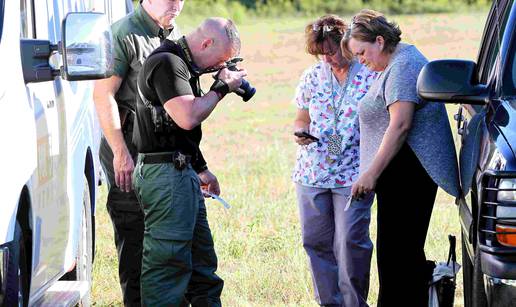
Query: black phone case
point(306, 135)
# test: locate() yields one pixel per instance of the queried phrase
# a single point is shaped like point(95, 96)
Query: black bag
point(443, 283)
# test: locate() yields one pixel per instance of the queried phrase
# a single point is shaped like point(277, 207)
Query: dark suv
point(486, 126)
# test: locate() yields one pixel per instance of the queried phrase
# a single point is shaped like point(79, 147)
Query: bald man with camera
point(179, 258)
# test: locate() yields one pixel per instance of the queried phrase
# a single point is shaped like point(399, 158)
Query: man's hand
point(107, 110)
point(123, 166)
point(232, 78)
point(209, 182)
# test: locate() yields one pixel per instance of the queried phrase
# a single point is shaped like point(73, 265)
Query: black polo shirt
point(165, 75)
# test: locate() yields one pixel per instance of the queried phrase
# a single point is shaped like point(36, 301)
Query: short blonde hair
point(367, 25)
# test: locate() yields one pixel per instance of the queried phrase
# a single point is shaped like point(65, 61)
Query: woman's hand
point(365, 184)
point(302, 123)
point(302, 140)
point(401, 114)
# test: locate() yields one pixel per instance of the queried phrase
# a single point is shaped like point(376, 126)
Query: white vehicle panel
point(19, 154)
point(51, 205)
point(49, 130)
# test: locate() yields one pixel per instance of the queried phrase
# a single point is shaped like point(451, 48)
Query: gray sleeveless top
point(430, 136)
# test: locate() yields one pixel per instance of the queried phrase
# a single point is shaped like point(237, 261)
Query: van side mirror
point(87, 46)
point(451, 81)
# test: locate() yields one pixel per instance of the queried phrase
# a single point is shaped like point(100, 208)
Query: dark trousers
point(179, 259)
point(127, 218)
point(405, 197)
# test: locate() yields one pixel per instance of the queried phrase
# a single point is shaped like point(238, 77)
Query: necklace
point(335, 139)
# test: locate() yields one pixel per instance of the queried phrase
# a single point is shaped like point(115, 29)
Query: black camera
point(246, 91)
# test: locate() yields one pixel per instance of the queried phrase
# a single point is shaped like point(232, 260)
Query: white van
point(48, 145)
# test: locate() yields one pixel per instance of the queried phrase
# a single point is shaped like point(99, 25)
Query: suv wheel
point(467, 274)
point(478, 297)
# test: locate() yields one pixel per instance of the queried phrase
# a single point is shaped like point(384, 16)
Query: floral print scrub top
point(318, 92)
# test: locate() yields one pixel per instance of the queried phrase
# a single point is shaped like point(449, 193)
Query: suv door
point(487, 157)
point(471, 121)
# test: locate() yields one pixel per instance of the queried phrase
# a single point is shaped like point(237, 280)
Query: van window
point(2, 2)
point(24, 25)
point(26, 14)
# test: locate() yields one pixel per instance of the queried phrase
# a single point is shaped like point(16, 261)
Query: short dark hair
point(368, 24)
point(233, 36)
point(328, 27)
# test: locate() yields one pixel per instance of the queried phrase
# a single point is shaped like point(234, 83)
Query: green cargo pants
point(179, 259)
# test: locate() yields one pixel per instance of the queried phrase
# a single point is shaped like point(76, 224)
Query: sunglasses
point(325, 28)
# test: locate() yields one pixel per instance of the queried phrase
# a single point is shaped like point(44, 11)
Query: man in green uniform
point(135, 37)
point(179, 258)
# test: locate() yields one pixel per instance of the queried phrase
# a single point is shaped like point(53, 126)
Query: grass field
point(250, 148)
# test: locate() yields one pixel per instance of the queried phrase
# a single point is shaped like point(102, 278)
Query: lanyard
point(343, 93)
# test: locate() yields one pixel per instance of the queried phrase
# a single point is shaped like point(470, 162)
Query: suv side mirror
point(87, 47)
point(451, 81)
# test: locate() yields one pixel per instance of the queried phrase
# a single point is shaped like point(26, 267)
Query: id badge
point(335, 144)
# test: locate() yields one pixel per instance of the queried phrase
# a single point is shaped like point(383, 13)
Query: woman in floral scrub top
point(335, 236)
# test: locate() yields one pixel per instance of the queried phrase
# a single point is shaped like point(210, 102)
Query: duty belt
point(179, 160)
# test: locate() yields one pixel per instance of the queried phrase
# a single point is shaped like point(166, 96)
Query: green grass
point(250, 148)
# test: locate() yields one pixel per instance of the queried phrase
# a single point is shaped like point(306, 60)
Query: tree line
point(238, 10)
point(313, 7)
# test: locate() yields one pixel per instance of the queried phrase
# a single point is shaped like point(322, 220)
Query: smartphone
point(304, 134)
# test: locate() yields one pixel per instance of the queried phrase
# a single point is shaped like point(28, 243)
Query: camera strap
point(188, 56)
point(180, 48)
point(159, 116)
point(144, 99)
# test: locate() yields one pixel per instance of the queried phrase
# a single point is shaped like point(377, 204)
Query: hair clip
point(327, 28)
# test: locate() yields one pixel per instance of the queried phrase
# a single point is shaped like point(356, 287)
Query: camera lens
point(247, 89)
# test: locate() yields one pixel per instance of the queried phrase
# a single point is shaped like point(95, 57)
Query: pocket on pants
point(165, 233)
point(183, 210)
point(122, 201)
point(170, 206)
point(162, 247)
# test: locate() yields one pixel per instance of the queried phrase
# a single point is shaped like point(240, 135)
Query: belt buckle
point(180, 161)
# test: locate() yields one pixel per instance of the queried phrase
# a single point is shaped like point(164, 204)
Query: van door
point(51, 208)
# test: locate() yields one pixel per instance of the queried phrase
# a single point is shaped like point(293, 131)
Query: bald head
point(215, 41)
point(223, 29)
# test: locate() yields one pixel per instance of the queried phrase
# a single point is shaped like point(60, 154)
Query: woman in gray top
point(406, 152)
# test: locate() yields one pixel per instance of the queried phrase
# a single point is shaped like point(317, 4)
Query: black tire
point(478, 297)
point(17, 288)
point(85, 250)
point(467, 274)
